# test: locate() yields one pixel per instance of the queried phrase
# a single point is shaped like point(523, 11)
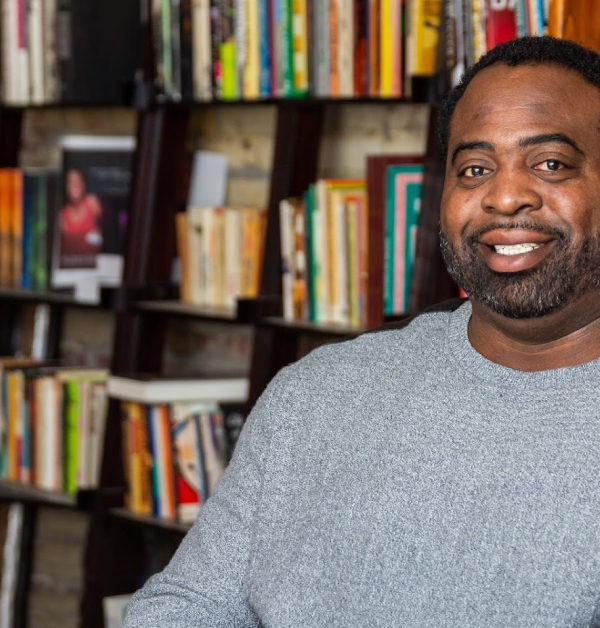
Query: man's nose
point(511, 191)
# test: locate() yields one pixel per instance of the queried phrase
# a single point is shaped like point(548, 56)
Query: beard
point(570, 272)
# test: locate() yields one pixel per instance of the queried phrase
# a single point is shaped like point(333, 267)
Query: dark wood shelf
point(174, 307)
point(54, 298)
point(18, 492)
point(315, 328)
point(150, 520)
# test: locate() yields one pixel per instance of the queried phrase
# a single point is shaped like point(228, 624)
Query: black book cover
point(186, 55)
point(100, 50)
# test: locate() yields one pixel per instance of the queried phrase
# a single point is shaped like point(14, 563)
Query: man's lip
point(507, 237)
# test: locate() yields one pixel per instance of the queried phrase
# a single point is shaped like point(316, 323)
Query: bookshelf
point(116, 554)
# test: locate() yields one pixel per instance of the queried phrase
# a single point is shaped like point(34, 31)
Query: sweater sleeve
point(203, 585)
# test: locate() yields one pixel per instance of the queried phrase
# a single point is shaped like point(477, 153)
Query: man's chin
point(517, 310)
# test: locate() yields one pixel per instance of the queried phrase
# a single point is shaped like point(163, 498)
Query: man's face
point(520, 215)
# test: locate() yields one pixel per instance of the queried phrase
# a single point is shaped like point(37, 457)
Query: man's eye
point(472, 172)
point(550, 165)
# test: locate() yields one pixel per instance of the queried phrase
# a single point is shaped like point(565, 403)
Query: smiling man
point(442, 473)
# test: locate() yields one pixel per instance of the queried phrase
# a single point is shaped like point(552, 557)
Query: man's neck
point(567, 337)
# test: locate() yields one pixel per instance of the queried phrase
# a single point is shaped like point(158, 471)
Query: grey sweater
point(400, 480)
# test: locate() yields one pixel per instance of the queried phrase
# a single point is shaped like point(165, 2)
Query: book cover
point(376, 190)
point(92, 221)
point(98, 65)
point(190, 476)
point(501, 23)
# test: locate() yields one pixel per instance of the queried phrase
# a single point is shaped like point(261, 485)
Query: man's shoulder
point(421, 333)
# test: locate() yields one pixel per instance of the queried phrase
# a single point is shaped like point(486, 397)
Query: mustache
point(525, 225)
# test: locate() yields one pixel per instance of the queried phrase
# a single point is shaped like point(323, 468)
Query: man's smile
point(514, 250)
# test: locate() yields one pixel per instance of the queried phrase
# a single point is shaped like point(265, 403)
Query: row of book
point(220, 251)
point(324, 253)
point(52, 423)
point(177, 441)
point(325, 246)
point(472, 28)
point(233, 49)
point(28, 201)
point(57, 51)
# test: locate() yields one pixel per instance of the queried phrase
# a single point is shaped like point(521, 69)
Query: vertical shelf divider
point(295, 164)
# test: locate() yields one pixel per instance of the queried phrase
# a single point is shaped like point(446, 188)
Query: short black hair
point(529, 50)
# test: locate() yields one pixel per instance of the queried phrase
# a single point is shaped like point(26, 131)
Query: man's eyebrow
point(546, 138)
point(470, 146)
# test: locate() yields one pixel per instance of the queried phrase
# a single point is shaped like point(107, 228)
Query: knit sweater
point(400, 479)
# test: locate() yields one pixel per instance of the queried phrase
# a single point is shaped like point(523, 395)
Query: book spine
point(167, 47)
point(265, 48)
point(360, 43)
point(286, 259)
point(186, 50)
point(64, 49)
point(228, 53)
point(252, 65)
point(201, 50)
point(299, 21)
point(334, 40)
point(373, 47)
point(35, 21)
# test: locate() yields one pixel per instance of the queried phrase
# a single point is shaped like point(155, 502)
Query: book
point(92, 221)
point(147, 389)
point(98, 65)
point(377, 166)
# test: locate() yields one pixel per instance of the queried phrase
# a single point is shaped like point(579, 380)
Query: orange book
point(5, 226)
point(334, 69)
point(167, 479)
point(16, 229)
point(576, 20)
point(373, 48)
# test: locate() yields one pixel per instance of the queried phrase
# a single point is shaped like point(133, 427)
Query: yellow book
point(251, 254)
point(300, 45)
point(219, 256)
point(423, 32)
point(251, 74)
point(330, 194)
point(386, 47)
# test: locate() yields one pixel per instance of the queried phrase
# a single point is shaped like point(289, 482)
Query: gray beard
point(567, 274)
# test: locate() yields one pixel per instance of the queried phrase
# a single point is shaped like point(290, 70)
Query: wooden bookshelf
point(18, 492)
point(55, 297)
point(329, 329)
point(180, 308)
point(149, 520)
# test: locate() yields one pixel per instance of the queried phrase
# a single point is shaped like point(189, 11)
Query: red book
point(501, 23)
point(376, 192)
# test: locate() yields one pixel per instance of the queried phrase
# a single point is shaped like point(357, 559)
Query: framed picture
point(91, 220)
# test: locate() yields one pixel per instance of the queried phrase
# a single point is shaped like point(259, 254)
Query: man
point(443, 473)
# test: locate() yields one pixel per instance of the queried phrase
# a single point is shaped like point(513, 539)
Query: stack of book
point(324, 253)
point(52, 422)
point(28, 199)
point(178, 436)
point(220, 251)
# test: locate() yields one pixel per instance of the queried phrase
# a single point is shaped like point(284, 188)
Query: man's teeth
point(515, 249)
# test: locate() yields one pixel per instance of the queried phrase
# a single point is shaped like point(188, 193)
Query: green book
point(72, 407)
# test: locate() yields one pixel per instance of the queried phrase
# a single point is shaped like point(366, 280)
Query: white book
point(35, 21)
point(201, 52)
point(286, 212)
point(115, 607)
point(209, 180)
point(212, 390)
